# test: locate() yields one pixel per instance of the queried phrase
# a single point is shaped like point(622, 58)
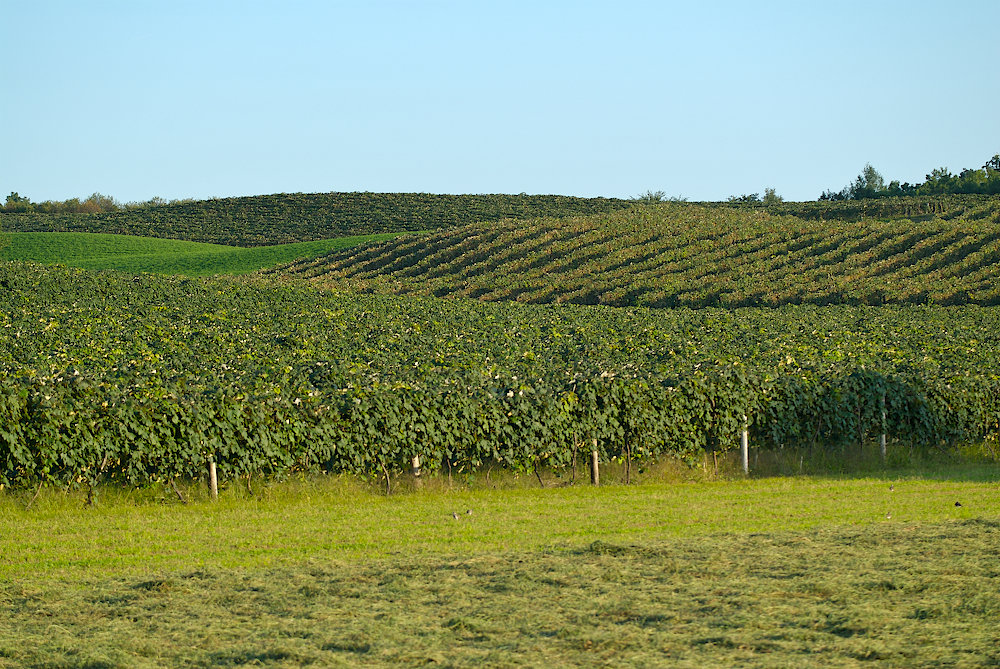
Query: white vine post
point(595, 473)
point(745, 445)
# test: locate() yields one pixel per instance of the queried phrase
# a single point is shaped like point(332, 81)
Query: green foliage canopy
point(870, 184)
point(136, 378)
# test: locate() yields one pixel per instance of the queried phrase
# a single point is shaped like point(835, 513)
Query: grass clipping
point(916, 594)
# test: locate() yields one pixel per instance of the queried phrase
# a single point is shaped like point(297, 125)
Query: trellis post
point(882, 437)
point(745, 445)
point(595, 472)
point(213, 479)
point(415, 470)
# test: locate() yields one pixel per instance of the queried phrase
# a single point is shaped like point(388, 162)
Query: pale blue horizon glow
point(178, 99)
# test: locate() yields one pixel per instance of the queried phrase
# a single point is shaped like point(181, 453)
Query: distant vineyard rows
point(688, 255)
point(136, 379)
point(281, 219)
point(915, 208)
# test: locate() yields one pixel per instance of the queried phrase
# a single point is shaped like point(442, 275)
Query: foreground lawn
point(767, 572)
point(162, 256)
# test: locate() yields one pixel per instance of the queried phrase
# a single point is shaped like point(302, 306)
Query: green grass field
point(793, 571)
point(162, 256)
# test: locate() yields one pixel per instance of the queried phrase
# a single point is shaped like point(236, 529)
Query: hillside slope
point(918, 208)
point(688, 255)
point(161, 256)
point(267, 220)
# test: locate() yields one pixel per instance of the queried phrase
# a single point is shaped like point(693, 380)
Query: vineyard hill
point(268, 220)
point(943, 251)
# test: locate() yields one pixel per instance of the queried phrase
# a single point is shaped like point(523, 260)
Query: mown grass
point(162, 256)
point(915, 594)
point(678, 570)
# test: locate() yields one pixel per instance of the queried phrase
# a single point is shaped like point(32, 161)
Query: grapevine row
point(134, 379)
point(685, 255)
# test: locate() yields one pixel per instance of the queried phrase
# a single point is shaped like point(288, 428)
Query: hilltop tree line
point(870, 184)
point(94, 204)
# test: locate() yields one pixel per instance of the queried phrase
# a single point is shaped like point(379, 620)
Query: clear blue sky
point(704, 100)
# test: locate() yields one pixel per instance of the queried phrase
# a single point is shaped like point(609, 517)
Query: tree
point(651, 197)
point(771, 197)
point(99, 202)
point(16, 203)
point(985, 180)
point(655, 197)
point(938, 182)
point(896, 189)
point(992, 168)
point(868, 184)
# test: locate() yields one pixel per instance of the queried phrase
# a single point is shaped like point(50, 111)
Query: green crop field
point(162, 256)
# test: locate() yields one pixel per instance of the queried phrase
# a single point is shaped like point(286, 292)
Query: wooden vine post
point(595, 472)
point(745, 445)
point(882, 438)
point(213, 479)
point(415, 469)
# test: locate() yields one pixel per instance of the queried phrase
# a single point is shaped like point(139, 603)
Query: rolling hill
point(161, 256)
point(669, 255)
point(266, 220)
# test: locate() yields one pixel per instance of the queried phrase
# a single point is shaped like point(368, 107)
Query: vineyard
point(268, 220)
point(139, 378)
point(914, 250)
point(915, 208)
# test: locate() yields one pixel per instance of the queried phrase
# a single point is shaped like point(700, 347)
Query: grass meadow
point(684, 568)
point(162, 256)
